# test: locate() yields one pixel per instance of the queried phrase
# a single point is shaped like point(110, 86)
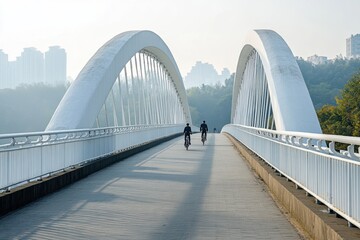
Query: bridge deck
point(166, 192)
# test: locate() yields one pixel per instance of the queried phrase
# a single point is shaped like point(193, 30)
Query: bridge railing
point(312, 162)
point(31, 156)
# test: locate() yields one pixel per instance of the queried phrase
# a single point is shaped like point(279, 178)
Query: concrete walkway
point(166, 192)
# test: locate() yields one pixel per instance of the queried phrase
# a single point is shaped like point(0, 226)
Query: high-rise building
point(204, 73)
point(55, 66)
point(14, 74)
point(4, 69)
point(31, 66)
point(353, 46)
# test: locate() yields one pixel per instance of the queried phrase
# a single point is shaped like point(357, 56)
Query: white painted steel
point(26, 157)
point(329, 175)
point(142, 86)
point(269, 87)
point(140, 67)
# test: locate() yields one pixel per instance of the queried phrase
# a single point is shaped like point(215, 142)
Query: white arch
point(292, 107)
point(86, 95)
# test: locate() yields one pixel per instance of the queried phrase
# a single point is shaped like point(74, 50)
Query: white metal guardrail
point(312, 162)
point(30, 156)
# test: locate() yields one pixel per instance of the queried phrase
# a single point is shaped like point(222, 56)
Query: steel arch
point(292, 107)
point(83, 100)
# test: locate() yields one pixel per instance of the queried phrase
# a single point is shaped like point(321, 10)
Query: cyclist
point(187, 132)
point(203, 129)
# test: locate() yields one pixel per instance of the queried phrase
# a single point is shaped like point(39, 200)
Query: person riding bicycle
point(187, 132)
point(203, 129)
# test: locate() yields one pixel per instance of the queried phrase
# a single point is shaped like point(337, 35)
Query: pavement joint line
point(154, 155)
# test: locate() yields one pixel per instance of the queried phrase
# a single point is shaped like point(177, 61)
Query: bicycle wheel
point(187, 141)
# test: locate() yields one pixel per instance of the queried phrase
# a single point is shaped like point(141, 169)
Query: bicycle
point(203, 138)
point(187, 142)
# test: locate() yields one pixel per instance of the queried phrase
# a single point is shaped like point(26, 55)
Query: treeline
point(325, 81)
point(212, 104)
point(28, 108)
point(344, 117)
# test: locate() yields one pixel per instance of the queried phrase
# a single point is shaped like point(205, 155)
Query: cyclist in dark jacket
point(203, 129)
point(187, 132)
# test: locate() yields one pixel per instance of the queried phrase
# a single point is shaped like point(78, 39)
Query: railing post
point(349, 188)
point(323, 165)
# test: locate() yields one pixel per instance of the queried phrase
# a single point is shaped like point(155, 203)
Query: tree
point(211, 103)
point(344, 118)
point(28, 108)
point(349, 105)
point(325, 81)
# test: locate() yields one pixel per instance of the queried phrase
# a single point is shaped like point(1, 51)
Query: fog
point(28, 108)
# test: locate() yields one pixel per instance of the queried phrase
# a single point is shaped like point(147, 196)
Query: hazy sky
point(211, 31)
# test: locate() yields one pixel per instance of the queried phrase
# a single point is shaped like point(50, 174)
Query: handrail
point(322, 143)
point(312, 162)
point(28, 156)
point(34, 138)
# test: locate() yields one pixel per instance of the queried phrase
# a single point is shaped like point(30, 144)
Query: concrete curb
point(313, 218)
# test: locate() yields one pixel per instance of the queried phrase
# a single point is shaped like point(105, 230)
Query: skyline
point(210, 31)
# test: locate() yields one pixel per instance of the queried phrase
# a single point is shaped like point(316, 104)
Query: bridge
point(129, 103)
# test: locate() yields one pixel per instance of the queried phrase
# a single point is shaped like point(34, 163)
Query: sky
point(210, 31)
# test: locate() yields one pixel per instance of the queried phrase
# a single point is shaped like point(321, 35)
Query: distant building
point(353, 46)
point(55, 66)
point(33, 67)
point(204, 73)
point(4, 70)
point(315, 59)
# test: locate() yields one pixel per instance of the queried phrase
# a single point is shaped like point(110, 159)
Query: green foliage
point(325, 81)
point(28, 108)
point(211, 103)
point(344, 118)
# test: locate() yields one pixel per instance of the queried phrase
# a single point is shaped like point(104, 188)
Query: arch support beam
point(291, 104)
point(83, 100)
